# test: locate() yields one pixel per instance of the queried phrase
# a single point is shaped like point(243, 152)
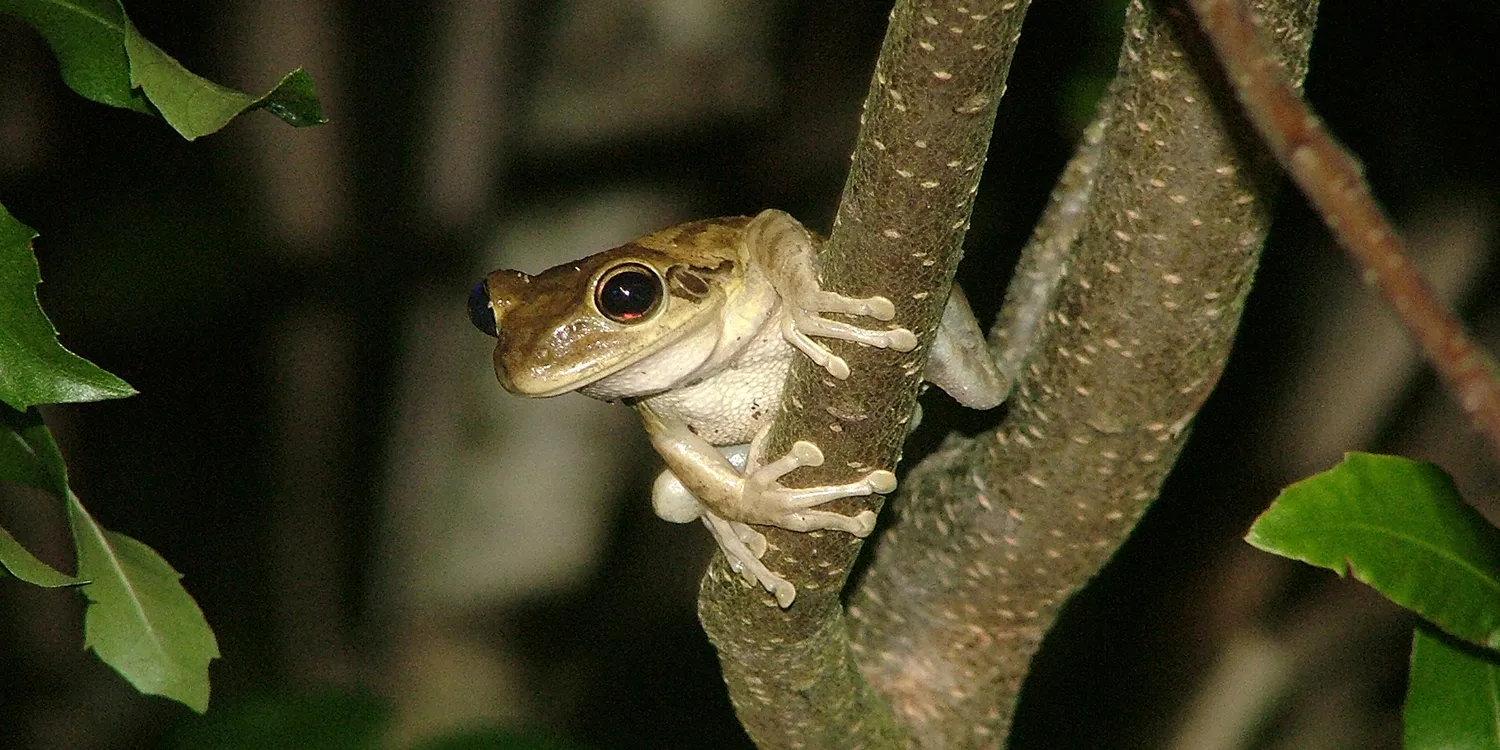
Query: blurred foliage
point(335, 720)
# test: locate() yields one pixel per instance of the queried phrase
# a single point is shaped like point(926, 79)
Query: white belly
point(730, 406)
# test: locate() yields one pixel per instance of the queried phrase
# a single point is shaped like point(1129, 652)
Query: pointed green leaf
point(28, 455)
point(103, 58)
point(19, 562)
point(87, 38)
point(1453, 697)
point(140, 620)
point(34, 366)
point(1401, 527)
point(196, 106)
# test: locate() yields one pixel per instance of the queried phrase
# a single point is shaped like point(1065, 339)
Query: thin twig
point(1332, 180)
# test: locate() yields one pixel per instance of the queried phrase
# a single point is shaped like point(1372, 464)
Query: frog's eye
point(480, 312)
point(628, 293)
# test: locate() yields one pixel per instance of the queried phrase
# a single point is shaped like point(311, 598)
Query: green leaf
point(196, 106)
point(1401, 527)
point(19, 562)
point(140, 620)
point(103, 58)
point(1453, 697)
point(87, 36)
point(28, 455)
point(34, 366)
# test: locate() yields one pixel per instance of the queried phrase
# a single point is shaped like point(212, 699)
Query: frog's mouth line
point(568, 381)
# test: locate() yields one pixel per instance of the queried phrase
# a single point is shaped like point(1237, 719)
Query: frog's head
point(651, 306)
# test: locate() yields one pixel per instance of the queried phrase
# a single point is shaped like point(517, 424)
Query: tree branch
point(992, 535)
point(899, 232)
point(1332, 180)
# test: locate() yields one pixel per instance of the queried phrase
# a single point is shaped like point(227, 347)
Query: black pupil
point(480, 313)
point(628, 295)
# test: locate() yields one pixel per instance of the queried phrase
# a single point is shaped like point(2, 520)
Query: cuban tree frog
point(695, 327)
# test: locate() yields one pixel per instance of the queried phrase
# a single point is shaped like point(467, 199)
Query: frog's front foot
point(766, 501)
point(803, 321)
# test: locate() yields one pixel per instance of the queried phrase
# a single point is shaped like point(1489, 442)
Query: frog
point(695, 327)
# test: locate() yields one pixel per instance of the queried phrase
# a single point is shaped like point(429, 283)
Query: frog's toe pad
point(901, 340)
point(881, 481)
point(806, 453)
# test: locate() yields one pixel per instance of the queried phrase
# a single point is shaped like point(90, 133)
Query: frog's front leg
point(784, 249)
point(703, 483)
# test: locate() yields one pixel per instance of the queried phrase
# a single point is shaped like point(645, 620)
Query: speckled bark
point(992, 535)
point(901, 224)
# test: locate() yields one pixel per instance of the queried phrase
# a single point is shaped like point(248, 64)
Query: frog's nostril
point(480, 312)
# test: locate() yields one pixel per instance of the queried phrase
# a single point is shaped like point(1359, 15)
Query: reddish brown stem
point(1332, 180)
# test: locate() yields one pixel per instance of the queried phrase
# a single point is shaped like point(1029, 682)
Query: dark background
point(263, 288)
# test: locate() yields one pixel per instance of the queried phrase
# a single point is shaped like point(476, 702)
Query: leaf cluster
point(140, 620)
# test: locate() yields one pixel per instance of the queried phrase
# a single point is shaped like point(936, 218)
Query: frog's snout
point(480, 312)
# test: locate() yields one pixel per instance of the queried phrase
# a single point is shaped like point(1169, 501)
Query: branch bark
point(899, 232)
point(993, 535)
